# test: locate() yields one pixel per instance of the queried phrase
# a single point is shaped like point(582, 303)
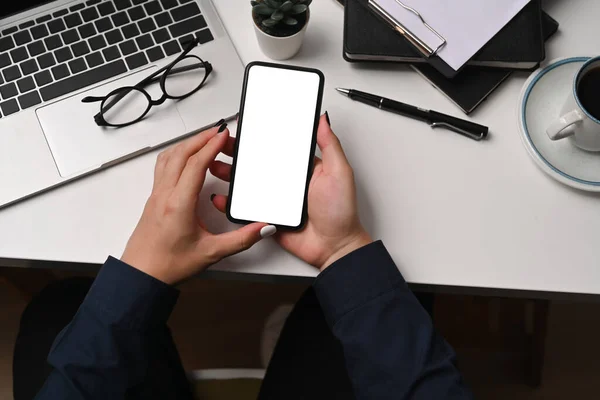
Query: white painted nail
point(267, 231)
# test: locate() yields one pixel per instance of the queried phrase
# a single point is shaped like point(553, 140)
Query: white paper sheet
point(467, 25)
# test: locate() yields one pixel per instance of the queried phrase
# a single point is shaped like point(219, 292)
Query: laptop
point(55, 53)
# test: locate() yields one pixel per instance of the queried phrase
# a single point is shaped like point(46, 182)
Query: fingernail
point(212, 197)
point(221, 122)
point(327, 118)
point(222, 128)
point(267, 231)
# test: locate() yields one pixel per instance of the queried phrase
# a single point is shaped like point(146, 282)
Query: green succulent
point(277, 12)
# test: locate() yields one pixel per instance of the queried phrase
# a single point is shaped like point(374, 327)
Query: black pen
point(433, 118)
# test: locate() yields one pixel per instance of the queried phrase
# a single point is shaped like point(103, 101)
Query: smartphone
point(275, 145)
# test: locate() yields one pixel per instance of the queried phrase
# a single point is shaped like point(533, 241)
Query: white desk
point(451, 211)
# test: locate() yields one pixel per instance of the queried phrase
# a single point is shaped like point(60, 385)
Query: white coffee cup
point(575, 121)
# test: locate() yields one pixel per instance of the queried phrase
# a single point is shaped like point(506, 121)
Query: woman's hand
point(333, 228)
point(170, 241)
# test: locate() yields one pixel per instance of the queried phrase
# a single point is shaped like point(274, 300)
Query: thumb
point(334, 158)
point(230, 243)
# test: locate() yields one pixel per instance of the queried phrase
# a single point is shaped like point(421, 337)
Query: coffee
point(588, 92)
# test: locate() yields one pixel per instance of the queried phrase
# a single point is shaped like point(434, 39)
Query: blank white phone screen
point(274, 145)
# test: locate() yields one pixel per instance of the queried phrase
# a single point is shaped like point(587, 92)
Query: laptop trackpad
point(79, 145)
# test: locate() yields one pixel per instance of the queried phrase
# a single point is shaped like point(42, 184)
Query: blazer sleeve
point(104, 350)
point(391, 348)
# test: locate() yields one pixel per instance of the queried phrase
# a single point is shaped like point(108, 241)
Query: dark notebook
point(519, 45)
point(474, 84)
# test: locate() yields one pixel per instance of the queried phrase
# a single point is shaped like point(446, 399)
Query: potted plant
point(280, 26)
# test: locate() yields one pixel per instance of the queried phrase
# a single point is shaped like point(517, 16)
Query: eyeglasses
point(178, 80)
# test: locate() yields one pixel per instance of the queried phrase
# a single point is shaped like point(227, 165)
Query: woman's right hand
point(333, 229)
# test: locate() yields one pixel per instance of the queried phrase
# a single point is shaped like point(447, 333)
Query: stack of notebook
point(369, 35)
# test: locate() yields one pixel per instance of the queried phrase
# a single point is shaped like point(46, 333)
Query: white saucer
point(540, 103)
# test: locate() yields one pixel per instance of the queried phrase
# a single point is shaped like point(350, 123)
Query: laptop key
point(153, 7)
point(103, 25)
point(136, 2)
point(166, 4)
point(46, 60)
point(26, 84)
point(92, 2)
point(163, 19)
point(90, 14)
point(60, 13)
point(147, 25)
point(205, 36)
point(29, 67)
point(6, 43)
point(36, 48)
point(136, 13)
point(87, 31)
point(76, 7)
point(187, 26)
point(22, 38)
point(136, 60)
point(94, 59)
point(73, 20)
point(122, 4)
point(77, 66)
point(63, 54)
point(114, 36)
point(26, 25)
point(56, 26)
point(11, 73)
point(43, 78)
point(106, 8)
point(111, 53)
point(39, 32)
point(172, 47)
point(128, 47)
point(155, 54)
point(130, 31)
point(53, 42)
point(144, 42)
point(10, 31)
point(97, 43)
point(43, 19)
point(161, 36)
point(183, 12)
point(120, 19)
point(60, 71)
point(82, 80)
point(29, 100)
point(9, 90)
point(70, 36)
point(80, 49)
point(185, 40)
point(4, 60)
point(9, 107)
point(19, 54)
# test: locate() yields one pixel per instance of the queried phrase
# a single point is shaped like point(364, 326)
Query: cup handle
point(558, 130)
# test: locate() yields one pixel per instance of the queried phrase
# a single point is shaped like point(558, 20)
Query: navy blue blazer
point(390, 346)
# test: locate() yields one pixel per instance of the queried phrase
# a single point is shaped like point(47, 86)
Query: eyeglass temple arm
point(91, 99)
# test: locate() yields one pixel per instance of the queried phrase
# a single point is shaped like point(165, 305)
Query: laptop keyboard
point(60, 53)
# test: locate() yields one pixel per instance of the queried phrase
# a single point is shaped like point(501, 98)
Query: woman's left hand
point(170, 241)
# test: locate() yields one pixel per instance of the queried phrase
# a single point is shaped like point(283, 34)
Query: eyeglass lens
point(185, 77)
point(125, 106)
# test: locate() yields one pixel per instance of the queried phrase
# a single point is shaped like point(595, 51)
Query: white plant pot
point(280, 48)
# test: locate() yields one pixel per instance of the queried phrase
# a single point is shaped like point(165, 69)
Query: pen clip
point(453, 128)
